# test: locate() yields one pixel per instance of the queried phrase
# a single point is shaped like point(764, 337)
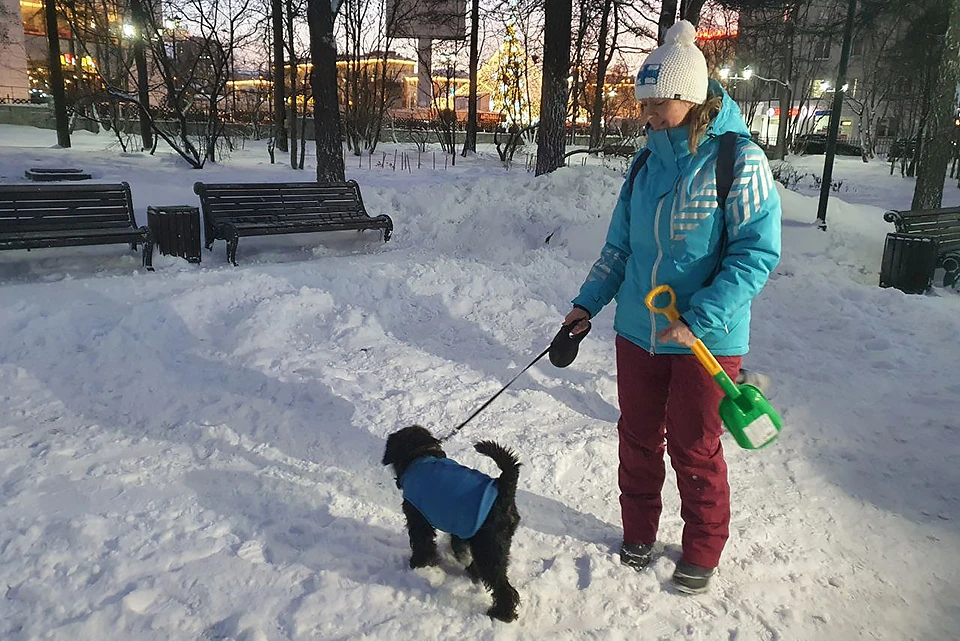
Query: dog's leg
point(491, 556)
point(423, 538)
point(461, 550)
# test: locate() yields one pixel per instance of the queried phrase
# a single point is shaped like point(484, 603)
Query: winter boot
point(692, 579)
point(636, 555)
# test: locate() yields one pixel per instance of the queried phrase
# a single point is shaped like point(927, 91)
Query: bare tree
point(56, 75)
point(584, 18)
point(689, 10)
point(605, 54)
point(470, 140)
point(279, 84)
point(293, 48)
point(140, 45)
point(190, 51)
point(944, 32)
point(371, 81)
point(553, 103)
point(326, 103)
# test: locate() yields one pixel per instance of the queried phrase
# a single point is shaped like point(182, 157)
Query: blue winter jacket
point(453, 498)
point(669, 230)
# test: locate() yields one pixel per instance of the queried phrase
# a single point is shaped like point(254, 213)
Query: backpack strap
point(638, 165)
point(726, 158)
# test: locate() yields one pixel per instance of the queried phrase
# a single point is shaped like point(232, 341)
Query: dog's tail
point(508, 463)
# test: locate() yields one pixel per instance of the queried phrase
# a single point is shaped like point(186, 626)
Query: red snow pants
point(672, 396)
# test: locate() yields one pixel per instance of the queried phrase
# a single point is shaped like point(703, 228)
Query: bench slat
point(281, 200)
point(80, 204)
point(274, 214)
point(256, 210)
point(66, 214)
point(8, 228)
point(931, 222)
point(71, 233)
point(263, 230)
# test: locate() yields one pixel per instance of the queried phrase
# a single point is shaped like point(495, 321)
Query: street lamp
point(749, 74)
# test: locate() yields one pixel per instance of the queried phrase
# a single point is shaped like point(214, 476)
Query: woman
point(668, 228)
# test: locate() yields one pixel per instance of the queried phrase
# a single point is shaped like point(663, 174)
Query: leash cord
point(494, 397)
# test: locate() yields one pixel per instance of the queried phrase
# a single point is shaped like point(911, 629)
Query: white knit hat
point(676, 69)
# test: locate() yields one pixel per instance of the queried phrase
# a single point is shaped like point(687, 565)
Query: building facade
point(14, 81)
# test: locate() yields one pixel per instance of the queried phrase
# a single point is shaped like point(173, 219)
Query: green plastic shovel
point(745, 412)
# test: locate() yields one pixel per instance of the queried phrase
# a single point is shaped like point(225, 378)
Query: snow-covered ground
point(194, 453)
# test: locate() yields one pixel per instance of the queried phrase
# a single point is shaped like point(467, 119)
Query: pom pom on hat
point(676, 70)
point(682, 33)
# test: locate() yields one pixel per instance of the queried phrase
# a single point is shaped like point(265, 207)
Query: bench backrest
point(940, 224)
point(266, 202)
point(25, 208)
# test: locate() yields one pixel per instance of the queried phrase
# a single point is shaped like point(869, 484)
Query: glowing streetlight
point(129, 30)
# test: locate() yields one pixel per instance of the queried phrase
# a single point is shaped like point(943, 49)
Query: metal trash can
point(176, 230)
point(908, 263)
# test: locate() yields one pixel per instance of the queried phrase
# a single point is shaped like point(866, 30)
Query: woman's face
point(664, 113)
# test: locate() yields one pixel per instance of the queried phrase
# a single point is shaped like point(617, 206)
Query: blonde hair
point(699, 119)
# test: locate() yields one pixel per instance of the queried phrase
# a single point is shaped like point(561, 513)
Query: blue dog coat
point(453, 498)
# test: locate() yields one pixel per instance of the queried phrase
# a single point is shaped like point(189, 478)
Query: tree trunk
point(690, 11)
point(323, 83)
point(668, 16)
point(786, 95)
point(577, 70)
point(279, 99)
point(596, 124)
point(143, 79)
point(939, 132)
point(470, 141)
point(558, 16)
point(56, 75)
point(292, 56)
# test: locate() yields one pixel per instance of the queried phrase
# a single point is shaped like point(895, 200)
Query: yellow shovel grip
point(670, 311)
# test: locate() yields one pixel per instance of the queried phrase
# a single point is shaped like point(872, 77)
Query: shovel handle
point(670, 311)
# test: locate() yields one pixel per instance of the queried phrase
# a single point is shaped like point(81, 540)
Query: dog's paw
point(505, 604)
point(425, 561)
point(504, 614)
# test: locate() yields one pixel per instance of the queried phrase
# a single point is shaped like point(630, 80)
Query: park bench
point(40, 216)
point(234, 211)
point(939, 225)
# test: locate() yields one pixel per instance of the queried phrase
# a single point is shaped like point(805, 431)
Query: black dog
point(457, 500)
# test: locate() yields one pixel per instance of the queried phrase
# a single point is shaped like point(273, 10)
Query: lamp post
point(834, 128)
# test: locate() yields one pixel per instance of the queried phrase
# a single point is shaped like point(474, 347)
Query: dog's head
point(407, 445)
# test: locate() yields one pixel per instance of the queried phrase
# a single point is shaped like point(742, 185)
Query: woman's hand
point(679, 333)
point(577, 315)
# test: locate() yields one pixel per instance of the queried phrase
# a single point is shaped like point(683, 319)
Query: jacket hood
point(730, 117)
